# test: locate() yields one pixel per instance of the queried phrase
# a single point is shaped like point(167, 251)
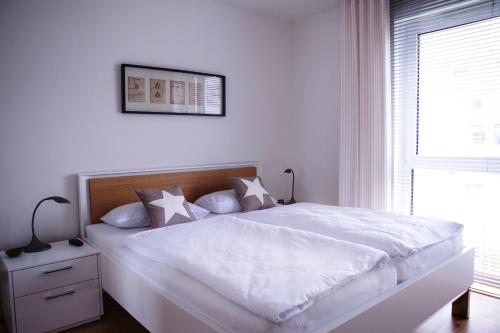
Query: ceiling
point(287, 10)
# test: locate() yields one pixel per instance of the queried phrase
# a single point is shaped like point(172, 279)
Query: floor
point(484, 318)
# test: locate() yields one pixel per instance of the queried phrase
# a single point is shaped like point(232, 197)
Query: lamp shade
point(59, 199)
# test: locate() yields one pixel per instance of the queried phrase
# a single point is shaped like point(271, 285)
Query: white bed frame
point(400, 309)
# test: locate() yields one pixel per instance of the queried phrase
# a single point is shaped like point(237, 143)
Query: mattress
point(427, 258)
point(224, 313)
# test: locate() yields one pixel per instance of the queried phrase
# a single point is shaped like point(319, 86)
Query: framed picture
point(155, 90)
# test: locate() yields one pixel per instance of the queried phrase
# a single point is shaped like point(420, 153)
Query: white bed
point(227, 315)
point(164, 299)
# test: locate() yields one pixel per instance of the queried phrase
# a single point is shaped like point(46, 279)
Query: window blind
point(446, 118)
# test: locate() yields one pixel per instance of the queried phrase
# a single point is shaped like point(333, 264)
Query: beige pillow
point(251, 193)
point(166, 206)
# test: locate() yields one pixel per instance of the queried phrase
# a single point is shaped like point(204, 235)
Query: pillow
point(166, 206)
point(275, 201)
point(220, 202)
point(198, 211)
point(251, 193)
point(132, 215)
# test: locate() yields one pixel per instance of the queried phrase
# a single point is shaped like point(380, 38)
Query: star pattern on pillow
point(255, 188)
point(171, 205)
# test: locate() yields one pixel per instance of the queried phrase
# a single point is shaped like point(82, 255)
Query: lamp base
point(36, 245)
point(291, 201)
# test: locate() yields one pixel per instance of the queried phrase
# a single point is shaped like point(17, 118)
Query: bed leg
point(460, 307)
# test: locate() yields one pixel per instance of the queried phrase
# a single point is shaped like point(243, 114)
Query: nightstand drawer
point(41, 278)
point(57, 308)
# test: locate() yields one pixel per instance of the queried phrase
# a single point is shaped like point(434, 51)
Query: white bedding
point(426, 258)
point(275, 272)
point(398, 235)
point(224, 313)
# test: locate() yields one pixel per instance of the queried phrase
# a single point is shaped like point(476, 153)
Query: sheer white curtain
point(363, 153)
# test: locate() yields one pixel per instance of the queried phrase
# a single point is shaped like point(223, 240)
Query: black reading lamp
point(36, 245)
point(292, 200)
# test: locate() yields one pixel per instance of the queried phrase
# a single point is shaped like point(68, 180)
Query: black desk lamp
point(36, 245)
point(292, 200)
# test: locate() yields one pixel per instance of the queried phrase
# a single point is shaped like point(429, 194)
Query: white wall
point(316, 107)
point(60, 98)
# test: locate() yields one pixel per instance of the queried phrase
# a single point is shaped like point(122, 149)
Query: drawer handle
point(69, 292)
point(58, 269)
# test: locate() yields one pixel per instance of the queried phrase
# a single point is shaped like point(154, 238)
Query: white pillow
point(275, 201)
point(134, 215)
point(221, 202)
point(198, 211)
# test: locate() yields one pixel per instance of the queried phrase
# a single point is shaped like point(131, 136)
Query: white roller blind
point(446, 118)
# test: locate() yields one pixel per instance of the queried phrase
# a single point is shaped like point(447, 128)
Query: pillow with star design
point(166, 206)
point(251, 193)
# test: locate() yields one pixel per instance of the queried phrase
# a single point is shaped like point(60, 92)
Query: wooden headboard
point(101, 192)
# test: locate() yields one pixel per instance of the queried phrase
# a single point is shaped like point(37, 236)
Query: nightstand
point(51, 290)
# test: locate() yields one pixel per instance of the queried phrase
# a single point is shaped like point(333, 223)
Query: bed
point(226, 315)
point(163, 299)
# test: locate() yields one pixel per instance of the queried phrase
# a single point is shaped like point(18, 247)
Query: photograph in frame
point(136, 89)
point(196, 94)
point(156, 90)
point(178, 92)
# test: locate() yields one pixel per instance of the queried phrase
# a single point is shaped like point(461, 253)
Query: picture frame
point(157, 90)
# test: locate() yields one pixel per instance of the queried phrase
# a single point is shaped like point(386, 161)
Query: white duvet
point(398, 235)
point(274, 272)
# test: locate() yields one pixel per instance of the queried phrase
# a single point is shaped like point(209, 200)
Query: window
point(445, 120)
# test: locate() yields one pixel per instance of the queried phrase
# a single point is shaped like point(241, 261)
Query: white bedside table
point(51, 290)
